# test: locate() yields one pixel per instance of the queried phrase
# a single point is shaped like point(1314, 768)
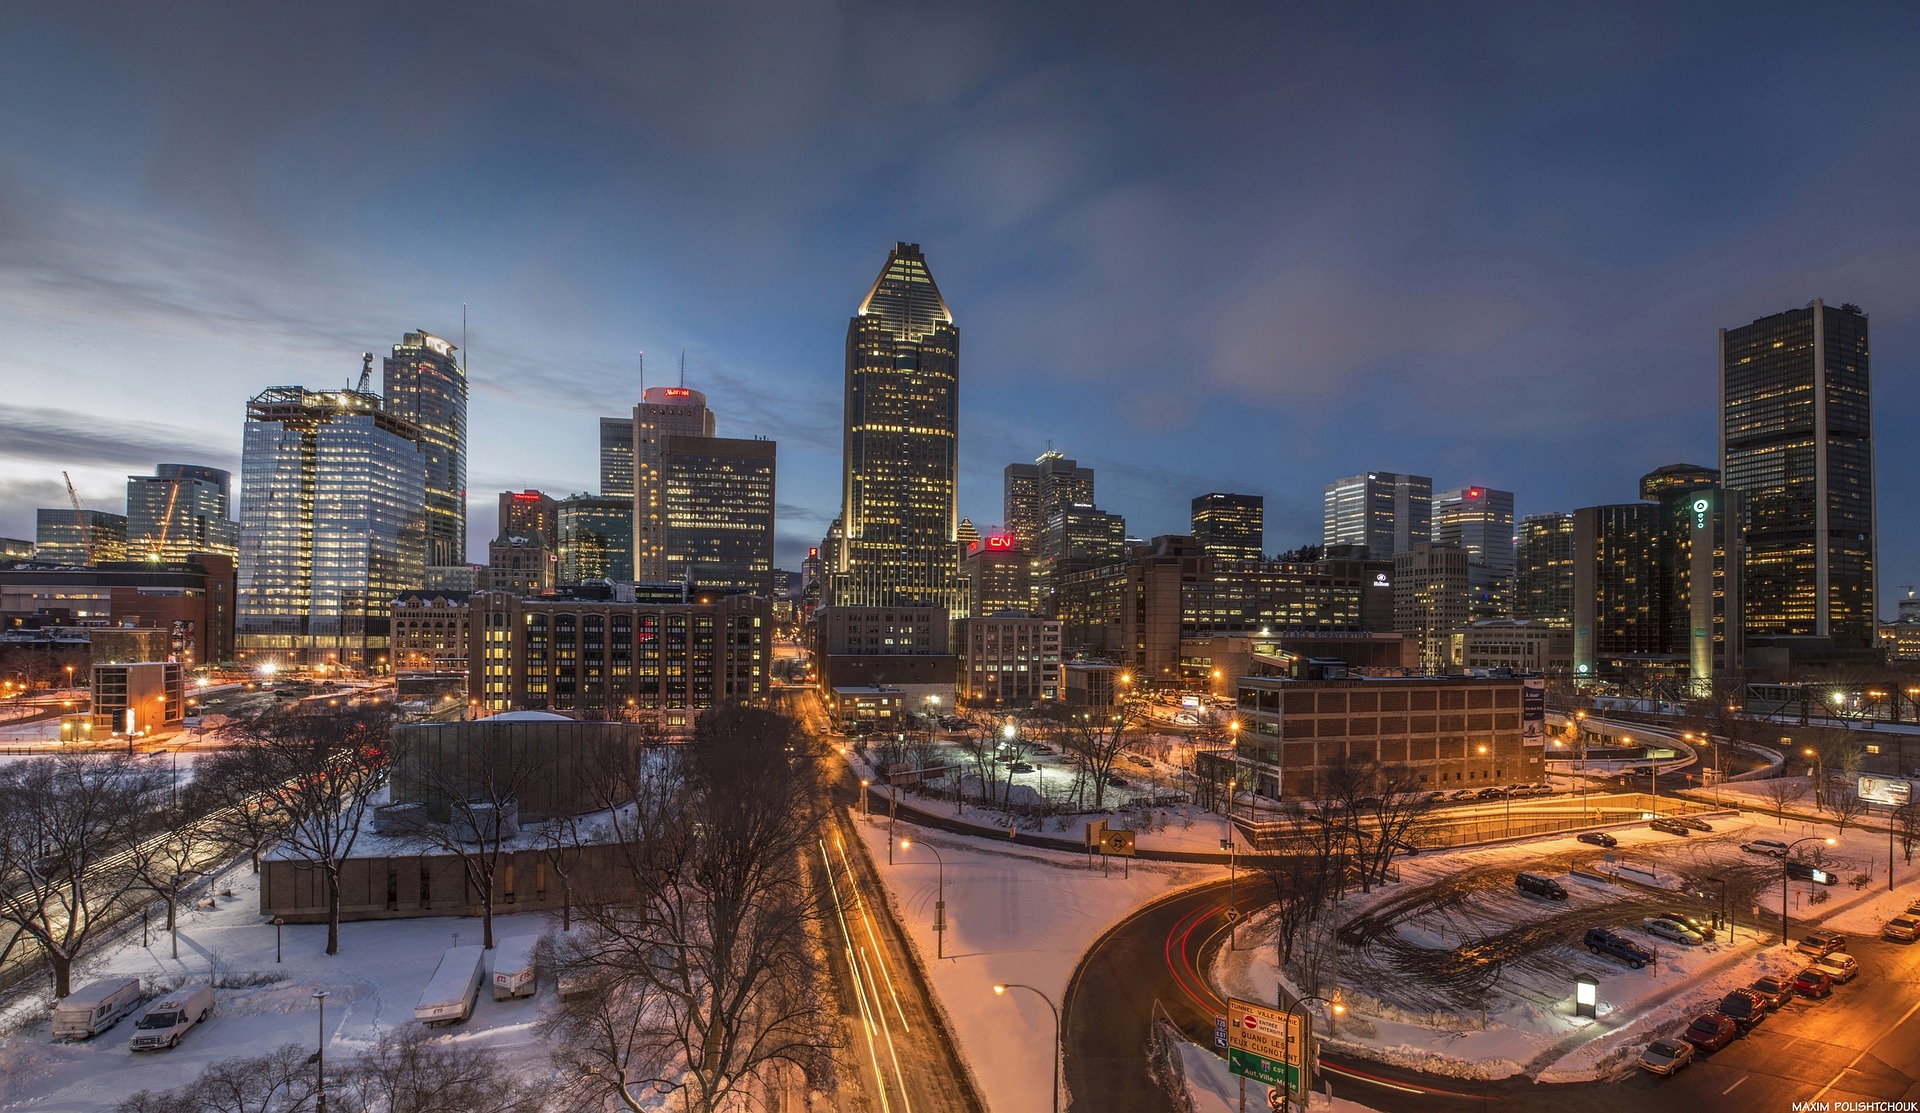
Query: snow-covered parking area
point(372, 986)
point(1453, 969)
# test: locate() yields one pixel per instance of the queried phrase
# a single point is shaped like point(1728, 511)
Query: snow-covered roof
point(529, 717)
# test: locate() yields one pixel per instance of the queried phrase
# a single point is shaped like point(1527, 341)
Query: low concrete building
point(139, 698)
point(1008, 660)
point(858, 709)
point(552, 765)
point(1515, 644)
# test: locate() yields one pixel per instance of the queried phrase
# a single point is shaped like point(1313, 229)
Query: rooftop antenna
point(643, 374)
point(366, 372)
point(463, 339)
point(683, 368)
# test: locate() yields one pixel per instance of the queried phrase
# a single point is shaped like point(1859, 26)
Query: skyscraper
point(1617, 592)
point(1388, 512)
point(596, 538)
point(1430, 598)
point(1231, 527)
point(901, 457)
point(1543, 569)
point(333, 509)
point(664, 411)
point(717, 499)
point(424, 384)
point(1479, 520)
point(616, 457)
point(181, 509)
point(79, 537)
point(1796, 440)
point(530, 514)
point(1700, 554)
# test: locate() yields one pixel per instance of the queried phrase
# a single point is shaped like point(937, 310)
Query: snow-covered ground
point(372, 986)
point(1216, 1090)
point(1524, 1020)
point(1014, 915)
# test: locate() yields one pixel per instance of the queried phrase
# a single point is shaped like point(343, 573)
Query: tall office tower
point(1231, 527)
point(1617, 629)
point(901, 461)
point(79, 537)
point(664, 411)
point(1020, 504)
point(998, 575)
point(1430, 599)
point(1479, 520)
point(333, 519)
point(1543, 569)
point(1700, 554)
point(1037, 491)
point(1796, 439)
point(718, 496)
point(1079, 538)
point(1386, 511)
point(965, 537)
point(596, 538)
point(530, 514)
point(427, 386)
point(616, 457)
point(181, 509)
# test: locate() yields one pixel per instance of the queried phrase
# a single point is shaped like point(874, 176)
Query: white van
point(513, 967)
point(450, 996)
point(171, 1016)
point(95, 1008)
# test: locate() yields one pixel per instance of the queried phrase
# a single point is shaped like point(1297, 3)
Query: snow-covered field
point(1522, 1017)
point(1015, 915)
point(372, 986)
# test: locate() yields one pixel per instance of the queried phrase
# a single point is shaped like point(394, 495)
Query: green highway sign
point(1267, 1045)
point(1248, 1065)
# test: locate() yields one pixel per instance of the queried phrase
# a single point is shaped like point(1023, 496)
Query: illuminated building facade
point(901, 453)
point(530, 514)
point(1543, 569)
point(1796, 440)
point(1385, 511)
point(1431, 599)
point(426, 386)
point(1231, 527)
point(998, 575)
point(596, 538)
point(78, 537)
point(717, 499)
point(181, 509)
point(616, 457)
point(663, 412)
point(1479, 522)
point(332, 524)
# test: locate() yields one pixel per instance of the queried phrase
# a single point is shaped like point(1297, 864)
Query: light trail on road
point(867, 990)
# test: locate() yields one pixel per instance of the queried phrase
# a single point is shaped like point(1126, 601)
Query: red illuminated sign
point(1002, 541)
point(813, 553)
point(526, 496)
point(1473, 492)
point(678, 392)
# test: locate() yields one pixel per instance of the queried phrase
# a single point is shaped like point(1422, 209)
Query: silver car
point(1666, 1056)
point(1670, 929)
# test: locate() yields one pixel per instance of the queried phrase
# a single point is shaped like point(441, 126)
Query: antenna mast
point(643, 374)
point(683, 367)
point(463, 339)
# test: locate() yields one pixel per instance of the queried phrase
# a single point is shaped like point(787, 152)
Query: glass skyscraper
point(663, 412)
point(596, 538)
point(427, 386)
point(901, 456)
point(718, 499)
point(1386, 511)
point(78, 537)
point(181, 509)
point(1796, 440)
point(1231, 527)
point(1480, 521)
point(333, 522)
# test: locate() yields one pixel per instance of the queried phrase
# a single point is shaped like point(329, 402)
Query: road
point(1863, 1044)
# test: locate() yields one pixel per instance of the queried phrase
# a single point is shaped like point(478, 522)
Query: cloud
point(63, 438)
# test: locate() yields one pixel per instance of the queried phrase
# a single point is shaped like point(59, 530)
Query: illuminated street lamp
point(939, 902)
point(1001, 990)
point(1786, 860)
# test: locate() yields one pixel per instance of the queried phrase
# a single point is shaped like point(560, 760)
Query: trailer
point(450, 995)
point(513, 974)
point(95, 1008)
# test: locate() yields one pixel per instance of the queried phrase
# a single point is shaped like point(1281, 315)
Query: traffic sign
point(1117, 843)
point(1232, 914)
point(1266, 1045)
point(1219, 1030)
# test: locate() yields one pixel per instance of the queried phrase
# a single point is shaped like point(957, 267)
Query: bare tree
point(281, 1081)
point(705, 981)
point(481, 832)
point(230, 787)
point(1838, 759)
point(1783, 791)
point(408, 1071)
point(181, 844)
point(1098, 738)
point(1847, 806)
point(1301, 874)
point(67, 848)
point(560, 840)
point(1906, 825)
point(321, 772)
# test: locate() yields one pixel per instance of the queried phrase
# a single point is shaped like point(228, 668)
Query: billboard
point(1891, 791)
point(1533, 712)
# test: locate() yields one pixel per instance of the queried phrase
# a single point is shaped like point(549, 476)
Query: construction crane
point(158, 550)
point(79, 522)
point(366, 372)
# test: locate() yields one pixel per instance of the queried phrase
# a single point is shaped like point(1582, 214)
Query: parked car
point(1020, 767)
point(1700, 926)
point(1116, 782)
point(1142, 762)
point(1838, 965)
point(95, 1008)
point(1671, 827)
point(1597, 838)
point(1540, 886)
point(1692, 823)
point(1462, 794)
point(1820, 942)
point(1745, 1007)
point(1491, 793)
point(1600, 941)
point(1904, 928)
point(1914, 908)
point(1711, 1031)
point(1668, 929)
point(1770, 847)
point(1773, 989)
point(1666, 1056)
point(1812, 983)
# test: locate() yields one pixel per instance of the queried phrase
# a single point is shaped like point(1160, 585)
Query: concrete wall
point(411, 885)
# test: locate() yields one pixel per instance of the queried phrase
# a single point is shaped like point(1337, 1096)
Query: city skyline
point(1503, 326)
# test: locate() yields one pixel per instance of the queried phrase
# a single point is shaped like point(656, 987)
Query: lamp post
point(1232, 846)
point(1001, 990)
point(1726, 917)
point(277, 923)
point(1785, 860)
point(864, 809)
point(320, 1055)
point(939, 901)
point(1334, 1009)
point(1819, 786)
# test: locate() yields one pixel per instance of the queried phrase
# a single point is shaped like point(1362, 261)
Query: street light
point(939, 902)
point(1785, 860)
point(320, 1055)
point(1001, 991)
point(864, 784)
point(277, 923)
point(1232, 846)
point(1334, 1009)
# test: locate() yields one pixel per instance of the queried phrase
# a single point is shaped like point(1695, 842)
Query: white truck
point(450, 996)
point(94, 1008)
point(171, 1016)
point(513, 974)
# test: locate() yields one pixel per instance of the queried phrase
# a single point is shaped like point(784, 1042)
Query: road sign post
point(1267, 1045)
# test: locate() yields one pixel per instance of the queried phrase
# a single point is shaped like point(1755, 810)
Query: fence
point(1436, 829)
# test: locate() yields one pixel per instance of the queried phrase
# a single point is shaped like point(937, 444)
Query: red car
point(1812, 983)
point(1711, 1031)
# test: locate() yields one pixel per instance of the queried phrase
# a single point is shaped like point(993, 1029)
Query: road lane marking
point(1736, 1082)
point(1863, 1053)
